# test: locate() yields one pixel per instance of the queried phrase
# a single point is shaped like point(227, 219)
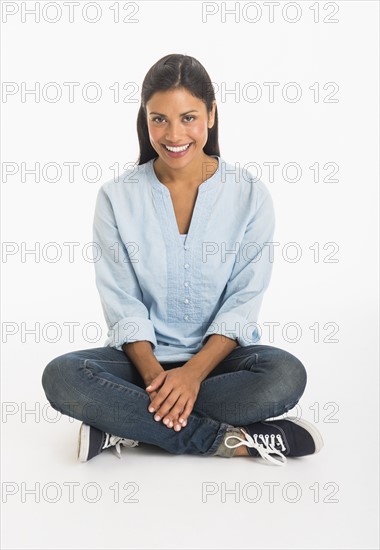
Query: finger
point(168, 404)
point(186, 413)
point(156, 382)
point(175, 419)
point(172, 417)
point(152, 395)
point(159, 400)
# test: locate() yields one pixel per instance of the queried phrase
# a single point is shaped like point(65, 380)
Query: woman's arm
point(238, 315)
point(121, 297)
point(213, 352)
point(142, 356)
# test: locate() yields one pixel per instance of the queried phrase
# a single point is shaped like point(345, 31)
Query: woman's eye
point(159, 119)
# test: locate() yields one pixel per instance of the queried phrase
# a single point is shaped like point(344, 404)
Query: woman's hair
point(169, 73)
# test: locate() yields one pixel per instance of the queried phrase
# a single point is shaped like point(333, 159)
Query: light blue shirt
point(176, 290)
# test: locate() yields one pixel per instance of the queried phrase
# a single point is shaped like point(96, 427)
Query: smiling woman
point(183, 341)
point(176, 135)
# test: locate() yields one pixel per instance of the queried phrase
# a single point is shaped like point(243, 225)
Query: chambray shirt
point(172, 290)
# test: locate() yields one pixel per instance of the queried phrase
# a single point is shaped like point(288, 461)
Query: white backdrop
point(319, 132)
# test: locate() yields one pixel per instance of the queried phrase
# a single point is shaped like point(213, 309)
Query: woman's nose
point(173, 133)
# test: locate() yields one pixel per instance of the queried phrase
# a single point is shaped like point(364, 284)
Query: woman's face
point(176, 118)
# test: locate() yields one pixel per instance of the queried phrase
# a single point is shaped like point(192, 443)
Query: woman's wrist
point(150, 375)
point(143, 358)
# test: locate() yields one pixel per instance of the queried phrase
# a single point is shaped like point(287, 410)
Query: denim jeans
point(102, 387)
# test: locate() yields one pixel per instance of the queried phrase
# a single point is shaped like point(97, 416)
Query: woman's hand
point(176, 392)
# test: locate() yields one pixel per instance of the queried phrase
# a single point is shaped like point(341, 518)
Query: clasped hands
point(173, 394)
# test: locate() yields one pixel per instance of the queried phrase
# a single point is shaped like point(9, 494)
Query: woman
point(181, 277)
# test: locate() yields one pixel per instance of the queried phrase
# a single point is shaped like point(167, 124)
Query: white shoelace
point(265, 449)
point(115, 442)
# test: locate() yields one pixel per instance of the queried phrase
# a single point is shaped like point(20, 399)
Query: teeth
point(177, 149)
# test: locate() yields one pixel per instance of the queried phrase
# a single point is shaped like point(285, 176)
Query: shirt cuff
point(131, 329)
point(235, 327)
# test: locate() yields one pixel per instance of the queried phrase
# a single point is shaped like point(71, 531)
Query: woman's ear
point(212, 115)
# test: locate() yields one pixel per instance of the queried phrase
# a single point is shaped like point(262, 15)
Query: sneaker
point(92, 442)
point(274, 440)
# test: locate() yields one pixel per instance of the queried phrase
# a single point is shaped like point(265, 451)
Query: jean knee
point(54, 385)
point(50, 379)
point(297, 375)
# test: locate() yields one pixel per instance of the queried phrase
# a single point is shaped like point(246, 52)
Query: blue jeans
point(102, 387)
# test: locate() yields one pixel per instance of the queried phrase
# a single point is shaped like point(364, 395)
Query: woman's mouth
point(176, 152)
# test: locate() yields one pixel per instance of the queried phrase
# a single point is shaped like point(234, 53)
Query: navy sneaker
point(92, 442)
point(274, 440)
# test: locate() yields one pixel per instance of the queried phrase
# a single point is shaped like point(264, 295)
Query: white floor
point(151, 499)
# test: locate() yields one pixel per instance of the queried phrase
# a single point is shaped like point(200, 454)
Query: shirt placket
point(184, 259)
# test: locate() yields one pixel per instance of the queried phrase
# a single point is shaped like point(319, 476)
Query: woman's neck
point(190, 176)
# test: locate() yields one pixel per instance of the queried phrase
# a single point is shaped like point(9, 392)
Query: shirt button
point(186, 317)
point(186, 283)
point(186, 301)
point(186, 266)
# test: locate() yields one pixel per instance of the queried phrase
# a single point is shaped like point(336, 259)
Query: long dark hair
point(168, 73)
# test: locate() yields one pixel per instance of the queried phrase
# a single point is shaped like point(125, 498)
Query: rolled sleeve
point(126, 315)
point(237, 318)
point(130, 329)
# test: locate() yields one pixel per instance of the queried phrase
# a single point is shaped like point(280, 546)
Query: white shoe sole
point(315, 434)
point(83, 442)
